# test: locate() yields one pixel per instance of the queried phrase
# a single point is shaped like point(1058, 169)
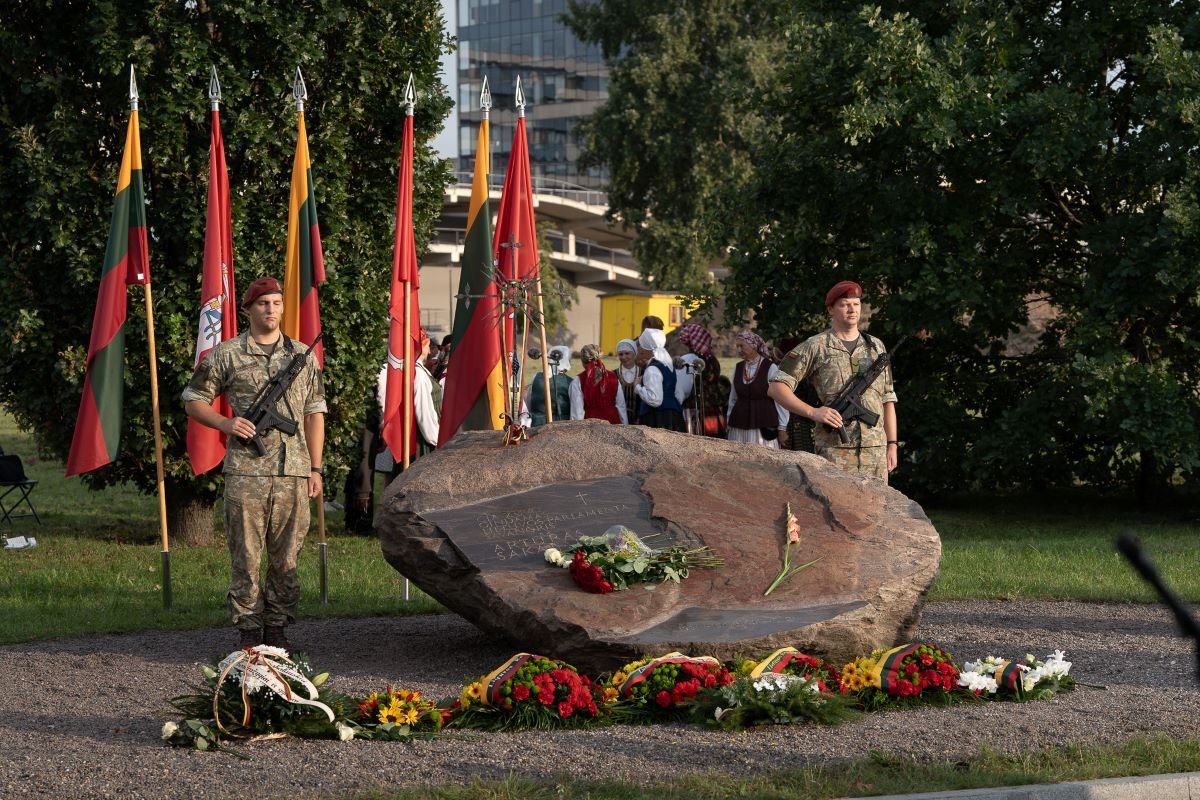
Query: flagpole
point(541, 314)
point(299, 94)
point(406, 323)
point(158, 448)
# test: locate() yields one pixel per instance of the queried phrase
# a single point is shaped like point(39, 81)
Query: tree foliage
point(63, 113)
point(966, 162)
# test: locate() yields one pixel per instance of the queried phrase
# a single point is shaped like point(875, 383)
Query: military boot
point(274, 636)
point(250, 637)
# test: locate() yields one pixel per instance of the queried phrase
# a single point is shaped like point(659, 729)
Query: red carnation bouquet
point(665, 686)
point(923, 672)
point(618, 557)
point(528, 691)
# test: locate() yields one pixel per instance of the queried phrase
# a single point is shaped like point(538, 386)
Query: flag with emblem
point(218, 313)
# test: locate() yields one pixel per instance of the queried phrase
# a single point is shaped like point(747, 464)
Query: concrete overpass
point(590, 254)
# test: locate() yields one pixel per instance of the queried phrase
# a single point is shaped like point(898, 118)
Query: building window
point(675, 314)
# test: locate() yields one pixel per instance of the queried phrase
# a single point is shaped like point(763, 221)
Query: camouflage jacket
point(828, 366)
point(239, 367)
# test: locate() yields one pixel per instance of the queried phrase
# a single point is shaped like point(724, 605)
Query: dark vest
point(753, 409)
point(560, 389)
point(669, 402)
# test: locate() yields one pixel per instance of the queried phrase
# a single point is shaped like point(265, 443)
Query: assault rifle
point(848, 402)
point(262, 410)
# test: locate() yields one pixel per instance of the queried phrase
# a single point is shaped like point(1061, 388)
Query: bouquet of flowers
point(922, 672)
point(618, 557)
point(792, 531)
point(1031, 679)
point(528, 691)
point(664, 687)
point(790, 661)
point(396, 715)
point(772, 698)
point(258, 693)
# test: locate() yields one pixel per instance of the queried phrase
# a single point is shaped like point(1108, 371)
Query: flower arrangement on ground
point(397, 715)
point(528, 691)
point(772, 698)
point(995, 678)
point(258, 693)
point(912, 672)
point(665, 687)
point(790, 661)
point(618, 557)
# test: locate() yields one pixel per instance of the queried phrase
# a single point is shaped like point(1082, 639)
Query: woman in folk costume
point(427, 399)
point(628, 373)
point(533, 412)
point(658, 407)
point(754, 418)
point(713, 392)
point(596, 392)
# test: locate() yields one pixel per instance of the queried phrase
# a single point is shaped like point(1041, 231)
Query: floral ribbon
point(267, 668)
point(496, 679)
point(886, 672)
point(1008, 675)
point(643, 672)
point(776, 662)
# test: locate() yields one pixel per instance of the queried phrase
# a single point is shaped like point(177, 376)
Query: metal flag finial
point(133, 93)
point(410, 95)
point(299, 92)
point(520, 98)
point(485, 97)
point(214, 89)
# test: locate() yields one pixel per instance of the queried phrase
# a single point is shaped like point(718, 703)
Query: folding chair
point(14, 481)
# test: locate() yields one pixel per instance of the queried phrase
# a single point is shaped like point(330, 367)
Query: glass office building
point(563, 79)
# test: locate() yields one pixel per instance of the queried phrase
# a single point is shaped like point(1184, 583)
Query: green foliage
point(966, 162)
point(63, 115)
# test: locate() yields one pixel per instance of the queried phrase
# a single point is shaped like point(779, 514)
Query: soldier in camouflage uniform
point(829, 360)
point(266, 497)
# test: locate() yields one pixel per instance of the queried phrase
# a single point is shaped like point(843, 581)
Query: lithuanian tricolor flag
point(97, 435)
point(305, 263)
point(474, 396)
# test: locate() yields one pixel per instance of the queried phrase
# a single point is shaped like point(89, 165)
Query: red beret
point(840, 290)
point(259, 288)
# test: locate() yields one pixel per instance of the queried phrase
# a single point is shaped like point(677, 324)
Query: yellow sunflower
point(410, 716)
point(394, 713)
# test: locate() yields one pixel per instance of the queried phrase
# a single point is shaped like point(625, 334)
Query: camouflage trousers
point(271, 514)
point(870, 461)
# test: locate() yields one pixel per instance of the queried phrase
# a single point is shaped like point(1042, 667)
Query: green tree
point(968, 161)
point(63, 113)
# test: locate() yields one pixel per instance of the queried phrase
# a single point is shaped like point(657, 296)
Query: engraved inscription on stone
point(512, 532)
point(736, 624)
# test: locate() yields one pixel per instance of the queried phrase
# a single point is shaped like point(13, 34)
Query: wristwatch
point(317, 470)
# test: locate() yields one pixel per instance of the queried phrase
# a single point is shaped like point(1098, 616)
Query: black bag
point(769, 434)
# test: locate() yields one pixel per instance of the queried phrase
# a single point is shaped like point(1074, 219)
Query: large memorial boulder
point(469, 523)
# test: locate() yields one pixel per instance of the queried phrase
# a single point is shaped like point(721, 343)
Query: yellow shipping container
point(621, 315)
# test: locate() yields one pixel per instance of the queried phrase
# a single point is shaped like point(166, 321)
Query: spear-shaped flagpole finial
point(299, 93)
point(485, 97)
point(133, 94)
point(214, 90)
point(410, 95)
point(520, 98)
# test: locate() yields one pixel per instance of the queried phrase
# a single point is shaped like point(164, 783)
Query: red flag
point(305, 263)
point(516, 244)
point(403, 321)
point(218, 312)
point(97, 435)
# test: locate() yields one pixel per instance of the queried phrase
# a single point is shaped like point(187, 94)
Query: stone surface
point(468, 524)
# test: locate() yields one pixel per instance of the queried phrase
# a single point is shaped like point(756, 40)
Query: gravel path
point(81, 717)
